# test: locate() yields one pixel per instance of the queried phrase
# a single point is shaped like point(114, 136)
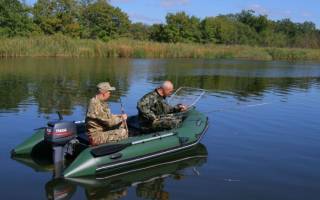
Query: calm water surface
point(249, 152)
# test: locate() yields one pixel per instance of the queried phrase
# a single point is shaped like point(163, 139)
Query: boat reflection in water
point(148, 178)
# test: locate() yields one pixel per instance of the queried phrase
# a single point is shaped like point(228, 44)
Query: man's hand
point(183, 107)
point(124, 116)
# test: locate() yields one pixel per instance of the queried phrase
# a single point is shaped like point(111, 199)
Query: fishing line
point(238, 107)
point(194, 95)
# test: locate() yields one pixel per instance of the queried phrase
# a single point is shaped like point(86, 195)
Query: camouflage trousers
point(102, 137)
point(163, 123)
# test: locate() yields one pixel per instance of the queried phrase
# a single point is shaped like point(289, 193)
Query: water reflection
point(269, 148)
point(57, 84)
point(59, 189)
point(148, 180)
point(62, 84)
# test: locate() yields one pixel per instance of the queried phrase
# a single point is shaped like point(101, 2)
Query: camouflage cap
point(105, 86)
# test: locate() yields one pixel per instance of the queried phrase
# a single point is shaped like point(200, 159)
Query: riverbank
point(62, 46)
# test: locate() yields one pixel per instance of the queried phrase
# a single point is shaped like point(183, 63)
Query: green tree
point(209, 30)
point(287, 27)
point(225, 30)
point(182, 28)
point(303, 35)
point(57, 16)
point(139, 31)
point(15, 19)
point(259, 23)
point(307, 27)
point(158, 33)
point(101, 20)
point(272, 39)
point(307, 35)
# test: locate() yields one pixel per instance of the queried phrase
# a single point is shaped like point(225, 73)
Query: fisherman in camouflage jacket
point(155, 113)
point(102, 125)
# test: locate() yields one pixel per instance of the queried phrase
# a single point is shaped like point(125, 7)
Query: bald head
point(167, 85)
point(166, 88)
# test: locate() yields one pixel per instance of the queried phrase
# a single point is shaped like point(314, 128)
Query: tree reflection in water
point(61, 84)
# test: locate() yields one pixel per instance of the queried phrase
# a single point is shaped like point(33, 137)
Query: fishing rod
point(219, 110)
point(197, 98)
point(198, 89)
point(123, 120)
point(202, 92)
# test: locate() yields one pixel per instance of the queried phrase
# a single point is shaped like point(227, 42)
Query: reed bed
point(62, 46)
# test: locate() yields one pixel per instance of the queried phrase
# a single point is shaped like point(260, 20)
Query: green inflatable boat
point(66, 142)
point(148, 180)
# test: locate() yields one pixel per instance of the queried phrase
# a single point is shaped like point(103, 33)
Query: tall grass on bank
point(62, 46)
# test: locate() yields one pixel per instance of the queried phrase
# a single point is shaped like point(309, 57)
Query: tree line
point(98, 19)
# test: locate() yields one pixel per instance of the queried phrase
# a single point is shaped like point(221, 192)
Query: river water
point(263, 140)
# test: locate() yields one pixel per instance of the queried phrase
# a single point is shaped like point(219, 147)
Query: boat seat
point(81, 128)
point(133, 122)
point(83, 138)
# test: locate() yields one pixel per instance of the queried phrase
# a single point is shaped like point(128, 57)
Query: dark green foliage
point(57, 16)
point(182, 28)
point(97, 19)
point(158, 33)
point(242, 28)
point(259, 23)
point(14, 19)
point(139, 31)
point(100, 20)
point(299, 34)
point(225, 30)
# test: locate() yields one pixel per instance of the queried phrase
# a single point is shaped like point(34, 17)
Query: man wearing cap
point(102, 125)
point(154, 110)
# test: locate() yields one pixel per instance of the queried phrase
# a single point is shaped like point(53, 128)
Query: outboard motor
point(59, 134)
